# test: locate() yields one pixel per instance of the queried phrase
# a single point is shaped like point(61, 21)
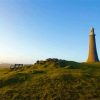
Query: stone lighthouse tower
point(93, 56)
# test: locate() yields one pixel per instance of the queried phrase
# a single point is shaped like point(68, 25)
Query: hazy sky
point(40, 29)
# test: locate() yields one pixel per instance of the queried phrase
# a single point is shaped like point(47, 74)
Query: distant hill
point(52, 79)
point(4, 65)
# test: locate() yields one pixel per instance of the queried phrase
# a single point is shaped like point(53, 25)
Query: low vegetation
point(52, 79)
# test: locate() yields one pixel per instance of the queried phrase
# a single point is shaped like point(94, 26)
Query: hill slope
point(52, 79)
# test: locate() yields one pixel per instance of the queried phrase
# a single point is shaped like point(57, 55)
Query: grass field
point(52, 79)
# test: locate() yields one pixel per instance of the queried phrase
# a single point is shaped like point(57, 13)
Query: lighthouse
point(93, 56)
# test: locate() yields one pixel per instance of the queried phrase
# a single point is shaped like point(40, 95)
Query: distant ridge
point(4, 65)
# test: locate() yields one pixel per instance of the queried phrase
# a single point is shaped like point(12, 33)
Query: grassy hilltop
point(51, 79)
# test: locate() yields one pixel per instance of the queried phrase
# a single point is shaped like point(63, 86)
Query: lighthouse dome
point(92, 31)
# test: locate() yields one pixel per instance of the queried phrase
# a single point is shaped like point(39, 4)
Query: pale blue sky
point(40, 29)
